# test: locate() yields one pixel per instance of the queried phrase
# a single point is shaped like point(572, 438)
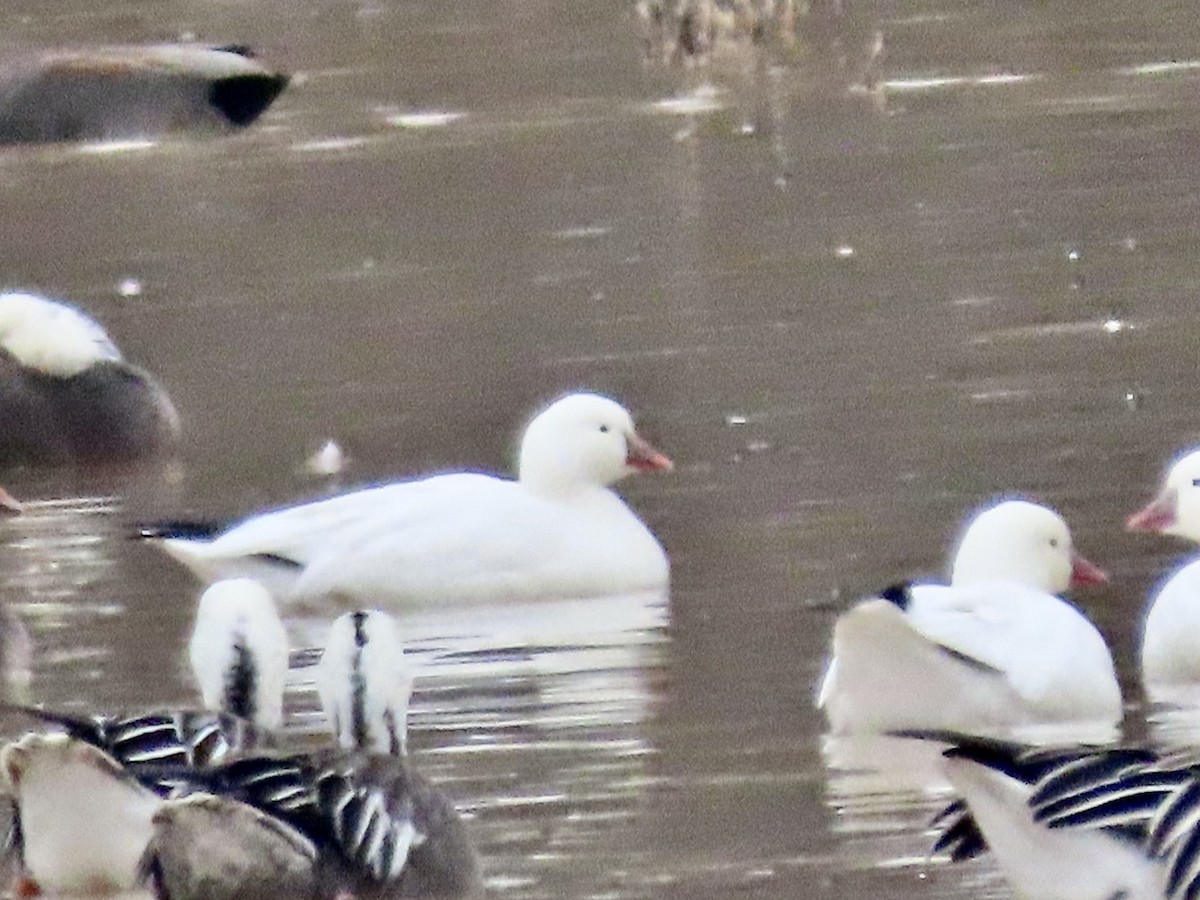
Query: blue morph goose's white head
point(364, 684)
point(239, 651)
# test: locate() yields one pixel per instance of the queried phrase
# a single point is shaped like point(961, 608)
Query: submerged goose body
point(985, 651)
point(109, 93)
point(1077, 823)
point(558, 531)
point(1171, 631)
point(66, 393)
point(378, 829)
point(121, 767)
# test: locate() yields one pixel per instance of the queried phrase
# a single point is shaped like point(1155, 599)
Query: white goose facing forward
point(558, 531)
point(994, 649)
point(1171, 630)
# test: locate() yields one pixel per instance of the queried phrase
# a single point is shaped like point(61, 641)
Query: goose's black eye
point(1196, 482)
point(1053, 542)
point(604, 430)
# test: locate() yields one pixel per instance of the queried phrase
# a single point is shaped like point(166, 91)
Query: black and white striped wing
point(372, 823)
point(281, 785)
point(182, 737)
point(1154, 802)
point(1119, 790)
point(958, 835)
point(189, 738)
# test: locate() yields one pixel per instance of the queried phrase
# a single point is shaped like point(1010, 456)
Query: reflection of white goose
point(557, 531)
point(1171, 632)
point(995, 648)
point(1076, 823)
point(86, 797)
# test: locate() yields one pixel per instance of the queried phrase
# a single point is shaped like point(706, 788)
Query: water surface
point(929, 253)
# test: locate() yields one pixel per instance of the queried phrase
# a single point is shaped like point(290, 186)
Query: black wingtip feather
point(243, 98)
point(898, 594)
point(178, 528)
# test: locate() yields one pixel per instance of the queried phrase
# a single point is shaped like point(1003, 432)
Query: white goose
point(85, 796)
point(374, 826)
point(994, 649)
point(556, 532)
point(1170, 663)
point(67, 393)
point(1076, 823)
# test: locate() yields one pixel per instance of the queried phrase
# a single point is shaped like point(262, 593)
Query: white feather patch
point(50, 336)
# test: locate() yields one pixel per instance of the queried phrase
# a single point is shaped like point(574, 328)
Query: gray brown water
point(849, 316)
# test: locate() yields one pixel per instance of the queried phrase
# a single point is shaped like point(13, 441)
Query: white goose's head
point(52, 337)
point(364, 684)
point(239, 651)
point(1022, 542)
point(584, 440)
point(1176, 509)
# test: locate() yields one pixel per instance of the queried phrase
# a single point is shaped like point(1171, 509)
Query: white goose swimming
point(376, 828)
point(66, 392)
point(1169, 658)
point(994, 649)
point(1076, 823)
point(556, 532)
point(85, 796)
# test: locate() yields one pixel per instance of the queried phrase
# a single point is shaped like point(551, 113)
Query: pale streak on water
point(850, 315)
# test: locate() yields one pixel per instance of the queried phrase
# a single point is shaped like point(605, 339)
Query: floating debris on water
point(425, 119)
point(129, 287)
point(330, 459)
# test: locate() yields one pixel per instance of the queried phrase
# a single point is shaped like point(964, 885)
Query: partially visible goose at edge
point(109, 93)
point(66, 392)
point(86, 794)
point(352, 821)
point(557, 532)
point(1078, 822)
point(1170, 649)
point(994, 649)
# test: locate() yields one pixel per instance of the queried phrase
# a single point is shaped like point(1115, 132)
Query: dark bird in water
point(112, 93)
point(66, 393)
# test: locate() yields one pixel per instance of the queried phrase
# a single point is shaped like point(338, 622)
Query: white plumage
point(239, 651)
point(558, 531)
point(984, 652)
point(1170, 647)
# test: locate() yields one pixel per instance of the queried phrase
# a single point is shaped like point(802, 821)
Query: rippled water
point(928, 253)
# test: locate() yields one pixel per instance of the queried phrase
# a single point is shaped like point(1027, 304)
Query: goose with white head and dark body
point(993, 649)
point(86, 794)
point(377, 828)
point(66, 392)
point(556, 532)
